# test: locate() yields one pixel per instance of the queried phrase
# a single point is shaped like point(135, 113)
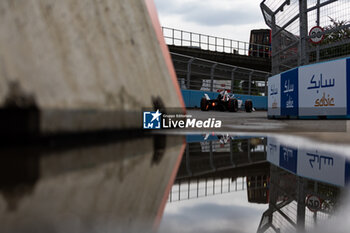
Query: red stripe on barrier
point(168, 188)
point(156, 25)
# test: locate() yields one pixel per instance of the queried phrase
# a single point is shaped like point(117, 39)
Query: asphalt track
point(334, 131)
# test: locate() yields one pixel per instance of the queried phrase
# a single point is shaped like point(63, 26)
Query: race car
point(225, 102)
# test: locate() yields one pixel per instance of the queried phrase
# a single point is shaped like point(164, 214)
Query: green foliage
point(335, 36)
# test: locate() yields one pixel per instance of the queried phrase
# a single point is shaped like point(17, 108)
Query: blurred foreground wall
point(73, 66)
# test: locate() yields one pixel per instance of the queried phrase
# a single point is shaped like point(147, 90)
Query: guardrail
point(200, 74)
point(213, 43)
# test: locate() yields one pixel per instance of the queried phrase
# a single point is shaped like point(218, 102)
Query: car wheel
point(233, 105)
point(248, 105)
point(204, 104)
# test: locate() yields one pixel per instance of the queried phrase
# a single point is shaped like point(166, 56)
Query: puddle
point(247, 183)
point(204, 182)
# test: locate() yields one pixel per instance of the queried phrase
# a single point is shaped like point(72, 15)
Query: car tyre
point(248, 105)
point(233, 105)
point(204, 104)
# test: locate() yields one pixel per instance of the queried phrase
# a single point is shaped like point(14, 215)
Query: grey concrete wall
point(87, 65)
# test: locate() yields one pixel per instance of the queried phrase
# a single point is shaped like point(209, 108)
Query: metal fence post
point(233, 79)
point(250, 83)
point(315, 191)
point(200, 41)
point(191, 39)
point(181, 38)
point(231, 153)
point(275, 60)
point(197, 187)
point(173, 37)
point(318, 24)
point(223, 45)
point(215, 43)
point(208, 41)
point(212, 71)
point(189, 72)
point(266, 90)
point(301, 204)
point(188, 188)
point(188, 167)
point(303, 32)
point(211, 158)
point(249, 151)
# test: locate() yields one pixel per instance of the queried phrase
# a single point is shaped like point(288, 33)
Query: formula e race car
point(225, 102)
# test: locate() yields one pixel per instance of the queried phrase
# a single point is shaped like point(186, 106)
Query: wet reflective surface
point(119, 186)
point(229, 183)
point(174, 183)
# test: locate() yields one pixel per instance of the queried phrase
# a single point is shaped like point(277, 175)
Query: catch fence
point(307, 31)
point(200, 74)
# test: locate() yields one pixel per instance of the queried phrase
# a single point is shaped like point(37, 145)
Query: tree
point(338, 33)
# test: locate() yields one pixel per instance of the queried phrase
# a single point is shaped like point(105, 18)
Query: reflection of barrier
point(316, 164)
point(311, 91)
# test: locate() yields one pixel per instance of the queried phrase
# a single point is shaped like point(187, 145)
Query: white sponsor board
point(322, 89)
point(218, 85)
point(273, 151)
point(322, 166)
point(274, 95)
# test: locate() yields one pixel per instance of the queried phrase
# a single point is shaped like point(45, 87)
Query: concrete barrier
point(82, 65)
point(192, 98)
point(319, 90)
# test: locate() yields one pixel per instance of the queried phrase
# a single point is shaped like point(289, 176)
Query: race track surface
point(335, 131)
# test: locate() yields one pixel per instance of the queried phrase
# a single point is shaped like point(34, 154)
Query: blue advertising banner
point(321, 89)
point(348, 85)
point(347, 172)
point(289, 93)
point(321, 165)
point(288, 158)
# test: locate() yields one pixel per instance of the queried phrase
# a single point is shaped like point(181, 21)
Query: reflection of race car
point(225, 102)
